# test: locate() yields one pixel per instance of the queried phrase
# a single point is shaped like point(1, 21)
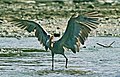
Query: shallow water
point(102, 62)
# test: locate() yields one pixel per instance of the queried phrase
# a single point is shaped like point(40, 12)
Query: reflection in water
point(101, 62)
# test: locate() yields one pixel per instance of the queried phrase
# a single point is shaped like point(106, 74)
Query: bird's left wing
point(77, 31)
point(30, 26)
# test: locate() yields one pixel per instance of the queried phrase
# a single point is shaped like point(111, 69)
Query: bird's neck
point(51, 42)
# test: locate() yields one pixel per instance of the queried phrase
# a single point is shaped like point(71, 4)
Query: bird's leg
point(52, 61)
point(66, 60)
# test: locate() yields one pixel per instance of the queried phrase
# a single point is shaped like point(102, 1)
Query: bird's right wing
point(30, 26)
point(77, 31)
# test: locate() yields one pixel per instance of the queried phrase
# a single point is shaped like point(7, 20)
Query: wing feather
point(31, 26)
point(77, 31)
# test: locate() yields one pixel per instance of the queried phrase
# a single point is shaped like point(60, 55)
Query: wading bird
point(76, 33)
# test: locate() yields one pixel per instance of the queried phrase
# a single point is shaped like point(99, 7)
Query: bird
point(78, 28)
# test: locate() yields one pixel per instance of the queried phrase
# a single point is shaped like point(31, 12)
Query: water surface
point(102, 62)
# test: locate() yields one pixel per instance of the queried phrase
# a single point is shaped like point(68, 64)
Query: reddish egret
point(76, 33)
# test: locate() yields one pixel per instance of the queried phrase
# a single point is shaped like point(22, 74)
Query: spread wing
point(30, 26)
point(77, 31)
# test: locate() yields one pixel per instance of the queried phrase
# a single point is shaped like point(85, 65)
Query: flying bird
point(77, 31)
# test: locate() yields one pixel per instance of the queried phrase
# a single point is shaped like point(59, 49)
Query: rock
point(1, 21)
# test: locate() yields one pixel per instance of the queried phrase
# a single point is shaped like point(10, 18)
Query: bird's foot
point(66, 66)
point(52, 69)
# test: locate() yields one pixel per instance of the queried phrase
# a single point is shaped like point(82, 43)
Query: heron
point(78, 28)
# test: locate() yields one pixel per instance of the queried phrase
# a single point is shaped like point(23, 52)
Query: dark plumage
point(77, 31)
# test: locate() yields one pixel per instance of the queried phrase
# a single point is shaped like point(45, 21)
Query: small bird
point(77, 31)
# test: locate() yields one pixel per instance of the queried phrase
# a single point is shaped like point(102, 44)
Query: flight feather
point(30, 26)
point(77, 31)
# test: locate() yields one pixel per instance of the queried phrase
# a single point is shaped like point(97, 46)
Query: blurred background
point(54, 14)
